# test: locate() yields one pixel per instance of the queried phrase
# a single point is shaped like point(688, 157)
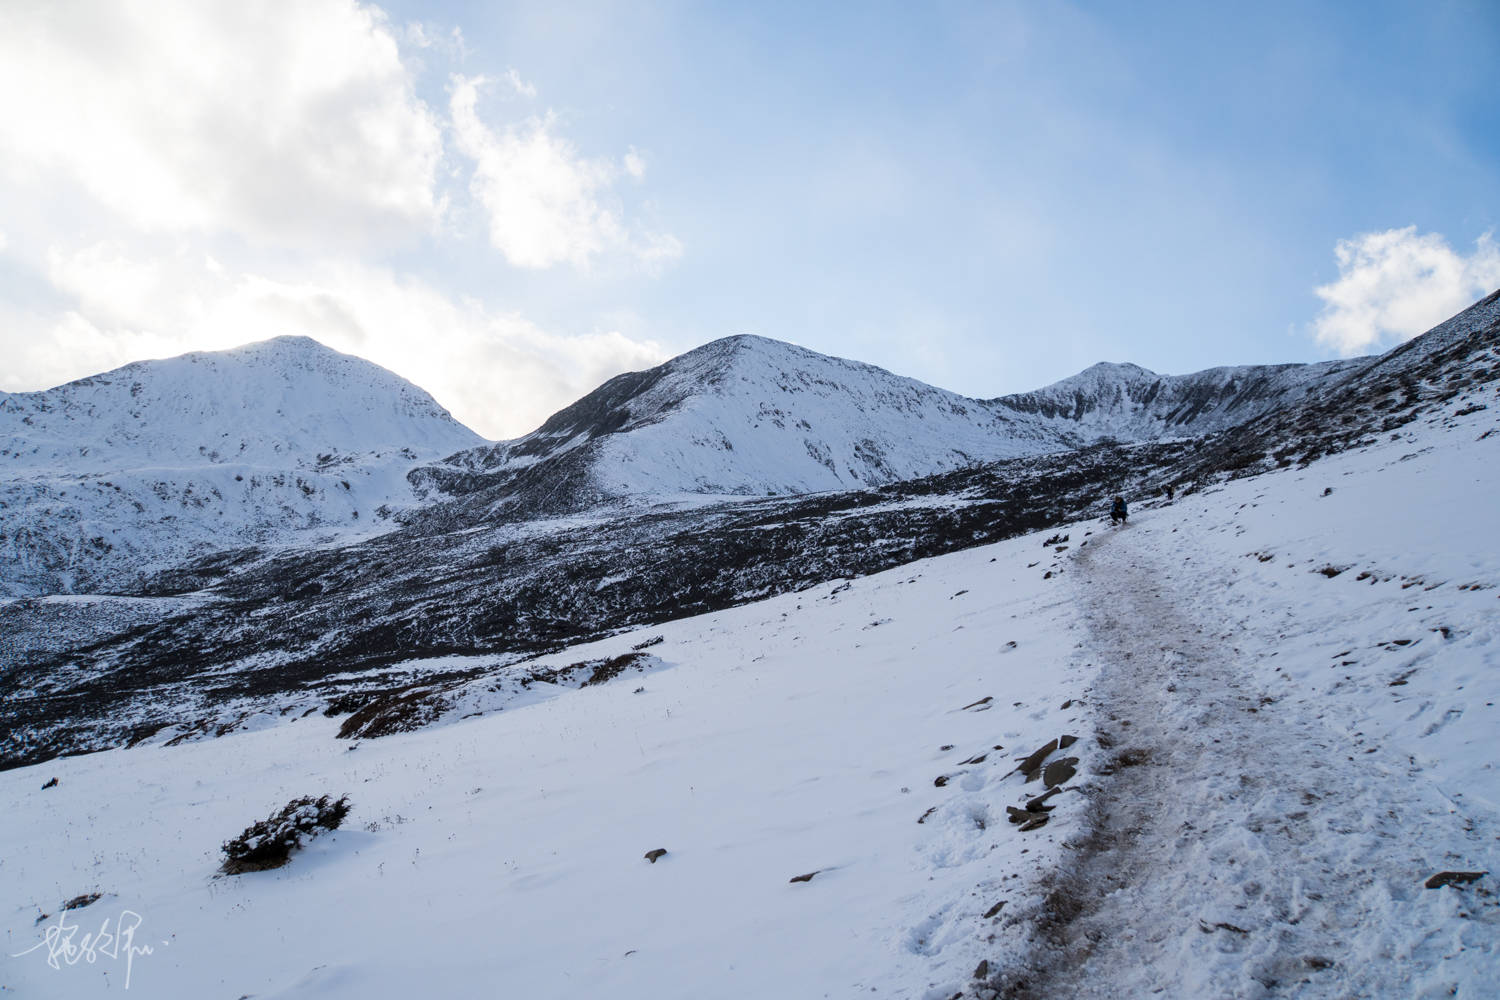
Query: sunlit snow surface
point(503, 855)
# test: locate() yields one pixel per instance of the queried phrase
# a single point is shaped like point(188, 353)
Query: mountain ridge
point(1144, 404)
point(749, 415)
point(308, 445)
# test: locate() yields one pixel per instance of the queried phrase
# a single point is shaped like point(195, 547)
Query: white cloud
point(286, 120)
point(547, 204)
point(494, 370)
point(1396, 284)
point(519, 85)
point(635, 164)
point(225, 172)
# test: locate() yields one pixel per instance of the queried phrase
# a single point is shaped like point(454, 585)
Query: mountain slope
point(1132, 403)
point(751, 416)
point(124, 473)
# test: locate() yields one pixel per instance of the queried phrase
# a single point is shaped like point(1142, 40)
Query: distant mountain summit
point(280, 402)
point(112, 477)
point(1130, 403)
point(752, 416)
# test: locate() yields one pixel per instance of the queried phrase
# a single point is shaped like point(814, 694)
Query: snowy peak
point(622, 404)
point(752, 416)
point(1112, 372)
point(1131, 403)
point(279, 402)
point(114, 476)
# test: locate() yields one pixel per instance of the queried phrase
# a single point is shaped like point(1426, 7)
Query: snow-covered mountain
point(752, 416)
point(142, 466)
point(109, 479)
point(1131, 403)
point(283, 402)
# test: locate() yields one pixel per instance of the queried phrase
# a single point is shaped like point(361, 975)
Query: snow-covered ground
point(1290, 755)
point(800, 734)
point(1300, 688)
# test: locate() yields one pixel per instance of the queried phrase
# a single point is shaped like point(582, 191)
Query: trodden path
point(1235, 849)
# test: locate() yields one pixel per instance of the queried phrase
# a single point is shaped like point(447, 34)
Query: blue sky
point(508, 202)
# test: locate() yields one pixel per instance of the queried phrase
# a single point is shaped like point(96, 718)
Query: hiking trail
point(1237, 847)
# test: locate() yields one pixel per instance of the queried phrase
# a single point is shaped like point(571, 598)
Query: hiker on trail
point(1169, 492)
point(1117, 512)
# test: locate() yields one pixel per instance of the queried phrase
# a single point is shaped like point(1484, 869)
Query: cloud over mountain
point(1395, 284)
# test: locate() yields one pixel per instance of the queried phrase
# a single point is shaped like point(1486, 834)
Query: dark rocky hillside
point(198, 645)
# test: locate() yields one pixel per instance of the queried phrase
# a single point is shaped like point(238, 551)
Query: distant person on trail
point(1117, 512)
point(1169, 492)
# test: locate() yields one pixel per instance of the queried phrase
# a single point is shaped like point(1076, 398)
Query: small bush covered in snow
point(270, 843)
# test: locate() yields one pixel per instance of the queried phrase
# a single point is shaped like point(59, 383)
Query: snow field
point(796, 735)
